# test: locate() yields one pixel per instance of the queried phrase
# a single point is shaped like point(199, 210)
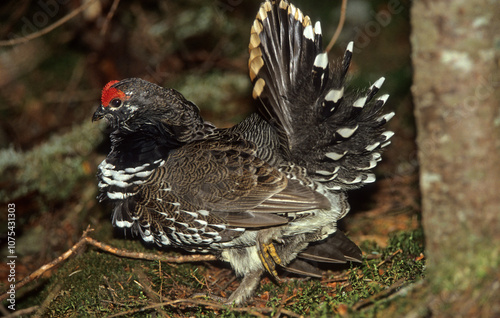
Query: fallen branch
point(149, 256)
point(51, 27)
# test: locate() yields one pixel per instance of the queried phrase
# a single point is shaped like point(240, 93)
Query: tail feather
point(281, 43)
point(335, 133)
point(337, 248)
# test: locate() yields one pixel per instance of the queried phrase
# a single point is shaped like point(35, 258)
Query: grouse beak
point(99, 114)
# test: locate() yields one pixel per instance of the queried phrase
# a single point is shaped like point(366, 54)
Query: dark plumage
point(265, 193)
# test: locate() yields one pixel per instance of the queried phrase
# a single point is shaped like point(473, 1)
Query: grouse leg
point(246, 289)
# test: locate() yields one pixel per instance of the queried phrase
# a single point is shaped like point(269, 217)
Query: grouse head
point(135, 105)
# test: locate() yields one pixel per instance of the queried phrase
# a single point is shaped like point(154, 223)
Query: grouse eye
point(115, 102)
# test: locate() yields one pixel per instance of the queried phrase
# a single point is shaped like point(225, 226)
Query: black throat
point(132, 149)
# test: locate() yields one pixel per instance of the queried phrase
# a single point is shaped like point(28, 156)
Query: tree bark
point(456, 57)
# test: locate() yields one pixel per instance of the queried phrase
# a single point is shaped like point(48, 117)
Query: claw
point(269, 258)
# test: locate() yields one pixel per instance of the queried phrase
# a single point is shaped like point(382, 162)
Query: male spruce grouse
point(266, 193)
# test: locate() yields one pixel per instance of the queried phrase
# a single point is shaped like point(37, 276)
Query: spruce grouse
point(266, 193)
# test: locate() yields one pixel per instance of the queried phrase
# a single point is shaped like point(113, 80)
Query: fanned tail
point(335, 133)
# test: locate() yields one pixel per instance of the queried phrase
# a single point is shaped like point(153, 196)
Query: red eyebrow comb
point(108, 93)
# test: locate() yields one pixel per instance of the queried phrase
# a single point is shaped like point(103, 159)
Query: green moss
point(52, 169)
point(94, 284)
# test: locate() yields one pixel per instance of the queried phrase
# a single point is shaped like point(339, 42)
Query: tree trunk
point(456, 57)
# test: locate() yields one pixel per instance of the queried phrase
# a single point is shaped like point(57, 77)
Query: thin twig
point(150, 256)
point(147, 287)
point(109, 289)
point(48, 29)
point(110, 15)
point(161, 281)
point(45, 304)
point(283, 301)
point(389, 257)
point(339, 26)
point(339, 278)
